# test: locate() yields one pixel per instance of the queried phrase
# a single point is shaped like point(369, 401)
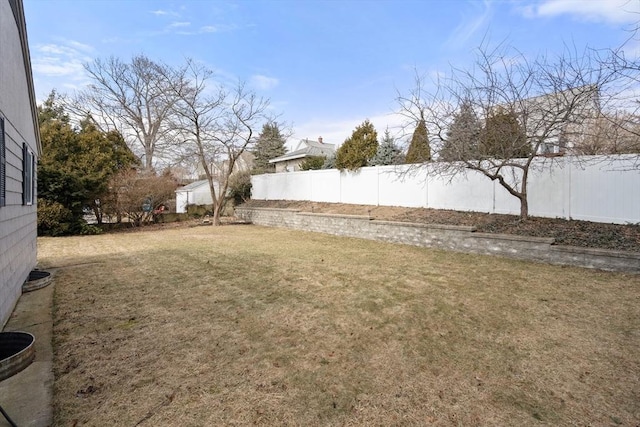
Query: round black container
point(17, 351)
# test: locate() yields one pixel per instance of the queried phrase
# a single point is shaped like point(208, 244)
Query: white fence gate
point(589, 188)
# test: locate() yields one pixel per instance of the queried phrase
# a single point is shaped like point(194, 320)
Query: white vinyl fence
point(588, 188)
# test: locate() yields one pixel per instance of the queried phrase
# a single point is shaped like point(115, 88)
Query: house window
point(547, 148)
point(28, 175)
point(3, 166)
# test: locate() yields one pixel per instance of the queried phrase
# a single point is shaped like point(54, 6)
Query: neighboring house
point(19, 150)
point(561, 118)
point(291, 162)
point(613, 133)
point(198, 193)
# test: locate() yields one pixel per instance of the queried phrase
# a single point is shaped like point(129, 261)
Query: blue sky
point(326, 66)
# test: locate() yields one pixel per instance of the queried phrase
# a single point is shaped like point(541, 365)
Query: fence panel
point(399, 186)
point(463, 192)
point(549, 184)
point(587, 187)
point(359, 187)
point(323, 186)
point(605, 191)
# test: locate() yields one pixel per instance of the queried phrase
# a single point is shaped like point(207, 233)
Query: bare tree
point(134, 98)
point(610, 134)
point(553, 100)
point(217, 125)
point(618, 130)
point(137, 194)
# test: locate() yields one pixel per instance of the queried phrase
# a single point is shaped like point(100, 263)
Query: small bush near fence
point(198, 211)
point(164, 218)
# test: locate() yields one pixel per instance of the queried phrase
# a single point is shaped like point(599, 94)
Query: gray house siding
point(18, 220)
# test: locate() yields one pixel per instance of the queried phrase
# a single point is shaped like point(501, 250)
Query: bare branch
point(506, 110)
point(133, 98)
point(217, 126)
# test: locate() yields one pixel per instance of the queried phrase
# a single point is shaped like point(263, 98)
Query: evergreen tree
point(312, 163)
point(101, 156)
point(463, 136)
point(52, 109)
point(388, 152)
point(419, 149)
point(58, 181)
point(76, 163)
point(503, 137)
point(329, 162)
point(357, 150)
point(270, 145)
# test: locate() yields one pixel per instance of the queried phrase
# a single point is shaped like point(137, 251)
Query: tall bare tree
point(618, 130)
point(217, 125)
point(137, 99)
point(610, 134)
point(552, 99)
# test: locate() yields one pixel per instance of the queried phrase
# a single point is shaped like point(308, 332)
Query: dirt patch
point(565, 232)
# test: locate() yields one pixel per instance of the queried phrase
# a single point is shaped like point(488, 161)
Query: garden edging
point(448, 237)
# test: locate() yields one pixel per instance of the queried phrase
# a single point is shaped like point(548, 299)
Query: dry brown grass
point(241, 325)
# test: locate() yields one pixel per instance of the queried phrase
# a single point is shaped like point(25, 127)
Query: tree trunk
point(215, 202)
point(524, 203)
point(98, 214)
point(148, 156)
point(524, 207)
point(216, 213)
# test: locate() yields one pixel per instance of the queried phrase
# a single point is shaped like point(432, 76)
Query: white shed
point(196, 193)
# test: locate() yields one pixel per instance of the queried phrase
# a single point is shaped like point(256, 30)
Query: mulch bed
point(565, 232)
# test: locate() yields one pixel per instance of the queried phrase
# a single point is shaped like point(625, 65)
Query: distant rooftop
point(307, 148)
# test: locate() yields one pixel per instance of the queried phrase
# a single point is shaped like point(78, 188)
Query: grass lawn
point(239, 325)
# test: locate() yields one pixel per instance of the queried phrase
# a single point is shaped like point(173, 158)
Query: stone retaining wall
point(448, 237)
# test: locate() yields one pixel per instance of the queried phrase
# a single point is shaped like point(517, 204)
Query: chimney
point(320, 139)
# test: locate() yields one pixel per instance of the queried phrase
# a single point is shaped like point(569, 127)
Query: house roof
point(193, 185)
point(307, 148)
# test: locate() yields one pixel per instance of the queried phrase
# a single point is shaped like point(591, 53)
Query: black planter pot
point(17, 351)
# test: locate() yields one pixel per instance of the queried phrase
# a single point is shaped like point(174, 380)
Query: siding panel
point(17, 222)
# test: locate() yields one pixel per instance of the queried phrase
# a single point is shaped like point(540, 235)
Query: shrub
point(198, 211)
point(329, 162)
point(53, 219)
point(88, 229)
point(312, 163)
point(239, 187)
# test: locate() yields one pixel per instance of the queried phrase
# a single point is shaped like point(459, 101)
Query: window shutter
point(33, 177)
point(3, 167)
point(25, 174)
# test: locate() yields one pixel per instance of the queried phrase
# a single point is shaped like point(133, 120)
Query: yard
point(237, 325)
